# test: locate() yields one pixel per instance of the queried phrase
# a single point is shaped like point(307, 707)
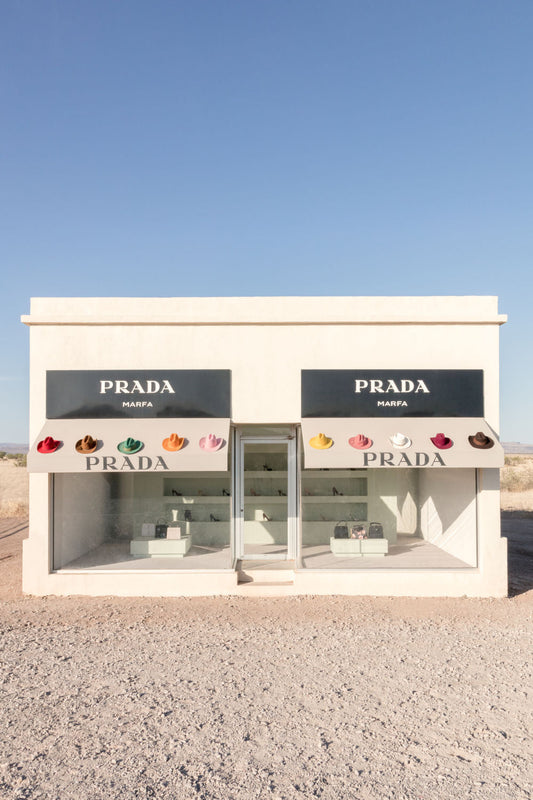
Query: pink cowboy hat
point(360, 442)
point(48, 445)
point(441, 441)
point(211, 442)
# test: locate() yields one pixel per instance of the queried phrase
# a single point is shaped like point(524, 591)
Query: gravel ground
point(241, 698)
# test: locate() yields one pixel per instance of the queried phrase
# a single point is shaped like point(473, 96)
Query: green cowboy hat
point(130, 446)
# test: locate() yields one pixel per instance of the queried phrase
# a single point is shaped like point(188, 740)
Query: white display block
point(173, 532)
point(160, 547)
point(357, 548)
point(347, 548)
point(374, 547)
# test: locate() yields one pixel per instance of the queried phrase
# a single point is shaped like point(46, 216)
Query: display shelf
point(264, 473)
point(196, 499)
point(339, 499)
point(251, 499)
point(337, 473)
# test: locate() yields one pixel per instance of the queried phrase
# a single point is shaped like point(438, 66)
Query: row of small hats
point(402, 442)
point(130, 446)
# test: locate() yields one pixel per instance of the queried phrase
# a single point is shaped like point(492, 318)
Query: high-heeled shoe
point(336, 491)
point(175, 493)
point(213, 518)
point(225, 493)
point(266, 517)
point(282, 493)
point(267, 468)
point(253, 493)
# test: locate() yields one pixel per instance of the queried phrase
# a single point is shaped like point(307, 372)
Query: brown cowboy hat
point(481, 441)
point(86, 445)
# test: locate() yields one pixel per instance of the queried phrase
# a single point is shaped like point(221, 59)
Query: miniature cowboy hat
point(130, 446)
point(48, 445)
point(173, 442)
point(400, 441)
point(481, 441)
point(321, 442)
point(360, 442)
point(441, 441)
point(211, 442)
point(86, 445)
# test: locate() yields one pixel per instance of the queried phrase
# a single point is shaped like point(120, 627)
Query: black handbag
point(341, 531)
point(161, 530)
point(375, 530)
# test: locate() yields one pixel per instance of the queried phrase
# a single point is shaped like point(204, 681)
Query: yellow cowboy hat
point(321, 442)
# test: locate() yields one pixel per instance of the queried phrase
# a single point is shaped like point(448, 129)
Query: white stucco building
point(266, 445)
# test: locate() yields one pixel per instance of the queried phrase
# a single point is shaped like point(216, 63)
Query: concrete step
point(266, 573)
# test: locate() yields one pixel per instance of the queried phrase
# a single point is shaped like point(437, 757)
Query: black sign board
point(392, 393)
point(108, 394)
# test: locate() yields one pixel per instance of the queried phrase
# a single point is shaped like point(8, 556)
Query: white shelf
point(251, 499)
point(264, 473)
point(200, 499)
point(333, 473)
point(343, 498)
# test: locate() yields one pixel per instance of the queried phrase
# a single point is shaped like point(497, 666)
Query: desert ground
point(230, 698)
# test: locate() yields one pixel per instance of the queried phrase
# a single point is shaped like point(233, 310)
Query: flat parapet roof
point(460, 310)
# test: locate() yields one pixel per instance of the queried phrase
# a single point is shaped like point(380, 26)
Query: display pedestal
point(357, 548)
point(160, 547)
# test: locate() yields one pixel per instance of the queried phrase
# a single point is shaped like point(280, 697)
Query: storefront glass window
point(389, 518)
point(178, 520)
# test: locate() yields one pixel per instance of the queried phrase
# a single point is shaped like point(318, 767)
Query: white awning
point(151, 457)
point(421, 452)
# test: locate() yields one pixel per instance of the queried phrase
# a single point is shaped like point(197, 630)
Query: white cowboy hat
point(400, 441)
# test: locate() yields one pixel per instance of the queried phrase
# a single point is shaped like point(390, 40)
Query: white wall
point(81, 504)
point(265, 361)
point(448, 511)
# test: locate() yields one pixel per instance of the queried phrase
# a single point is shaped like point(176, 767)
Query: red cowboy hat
point(48, 445)
point(441, 441)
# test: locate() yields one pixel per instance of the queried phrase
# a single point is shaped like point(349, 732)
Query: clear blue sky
point(350, 147)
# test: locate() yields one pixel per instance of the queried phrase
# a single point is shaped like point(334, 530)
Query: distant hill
point(9, 447)
point(517, 447)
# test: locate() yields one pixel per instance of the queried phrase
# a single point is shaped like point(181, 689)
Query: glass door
point(266, 497)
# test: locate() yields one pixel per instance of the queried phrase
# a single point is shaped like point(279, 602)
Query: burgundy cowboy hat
point(441, 441)
point(86, 445)
point(48, 445)
point(360, 442)
point(481, 441)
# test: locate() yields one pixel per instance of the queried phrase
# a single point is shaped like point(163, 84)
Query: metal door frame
point(292, 498)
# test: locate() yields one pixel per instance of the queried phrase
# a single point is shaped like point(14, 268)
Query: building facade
point(271, 446)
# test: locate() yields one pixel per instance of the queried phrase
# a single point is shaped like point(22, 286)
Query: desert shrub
point(12, 508)
point(3, 454)
point(512, 460)
point(517, 480)
point(22, 460)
